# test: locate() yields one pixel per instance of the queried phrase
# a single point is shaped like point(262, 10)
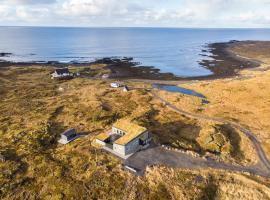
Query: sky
point(137, 13)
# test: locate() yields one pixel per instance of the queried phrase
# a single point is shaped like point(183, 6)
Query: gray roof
point(69, 132)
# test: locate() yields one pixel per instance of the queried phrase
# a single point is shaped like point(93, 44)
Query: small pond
point(177, 89)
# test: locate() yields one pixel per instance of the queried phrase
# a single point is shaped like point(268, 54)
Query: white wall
point(117, 131)
point(100, 142)
point(119, 149)
point(55, 75)
point(131, 147)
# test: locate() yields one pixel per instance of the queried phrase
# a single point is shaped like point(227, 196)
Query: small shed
point(125, 88)
point(68, 136)
point(61, 73)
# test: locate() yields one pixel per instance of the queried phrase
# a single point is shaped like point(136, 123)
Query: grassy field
point(220, 139)
point(245, 99)
point(34, 110)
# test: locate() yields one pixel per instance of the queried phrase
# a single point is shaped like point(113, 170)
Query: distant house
point(125, 88)
point(61, 73)
point(105, 76)
point(125, 138)
point(68, 136)
point(115, 85)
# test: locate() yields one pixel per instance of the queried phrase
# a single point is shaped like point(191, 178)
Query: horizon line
point(157, 27)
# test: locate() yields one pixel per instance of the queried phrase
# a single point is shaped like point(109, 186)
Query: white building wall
point(132, 146)
point(63, 137)
point(55, 75)
point(118, 131)
point(100, 142)
point(114, 130)
point(119, 149)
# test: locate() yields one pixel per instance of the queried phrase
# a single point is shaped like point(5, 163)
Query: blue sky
point(139, 13)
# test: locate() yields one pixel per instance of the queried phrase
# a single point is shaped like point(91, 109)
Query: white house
point(105, 76)
point(61, 73)
point(125, 138)
point(115, 85)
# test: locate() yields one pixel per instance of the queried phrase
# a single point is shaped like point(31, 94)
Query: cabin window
point(141, 142)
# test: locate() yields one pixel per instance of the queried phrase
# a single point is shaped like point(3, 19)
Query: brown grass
point(33, 113)
point(244, 101)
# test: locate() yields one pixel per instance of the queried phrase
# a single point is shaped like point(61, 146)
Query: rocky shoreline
point(224, 63)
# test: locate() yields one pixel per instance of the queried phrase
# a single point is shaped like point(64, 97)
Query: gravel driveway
point(157, 155)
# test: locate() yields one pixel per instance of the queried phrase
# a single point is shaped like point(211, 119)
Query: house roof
point(62, 71)
point(102, 136)
point(131, 129)
point(69, 132)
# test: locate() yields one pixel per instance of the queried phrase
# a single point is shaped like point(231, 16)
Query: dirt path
point(248, 133)
point(157, 155)
point(262, 168)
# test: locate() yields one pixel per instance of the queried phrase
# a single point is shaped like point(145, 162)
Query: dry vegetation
point(205, 185)
point(245, 99)
point(34, 110)
point(220, 139)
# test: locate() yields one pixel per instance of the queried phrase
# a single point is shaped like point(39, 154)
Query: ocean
point(170, 49)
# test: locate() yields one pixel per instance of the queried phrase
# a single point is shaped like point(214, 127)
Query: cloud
point(29, 2)
point(33, 14)
point(4, 11)
point(84, 7)
point(90, 8)
point(180, 13)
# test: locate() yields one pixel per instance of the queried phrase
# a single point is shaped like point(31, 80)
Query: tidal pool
point(177, 89)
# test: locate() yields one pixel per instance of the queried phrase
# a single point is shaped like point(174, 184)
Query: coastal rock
point(4, 54)
point(53, 62)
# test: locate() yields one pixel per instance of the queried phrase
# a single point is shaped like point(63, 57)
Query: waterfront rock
point(4, 54)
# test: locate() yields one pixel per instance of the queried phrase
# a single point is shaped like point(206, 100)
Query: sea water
point(174, 50)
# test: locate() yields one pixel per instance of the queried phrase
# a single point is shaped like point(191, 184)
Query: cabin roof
point(69, 132)
point(102, 136)
point(62, 71)
point(131, 129)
